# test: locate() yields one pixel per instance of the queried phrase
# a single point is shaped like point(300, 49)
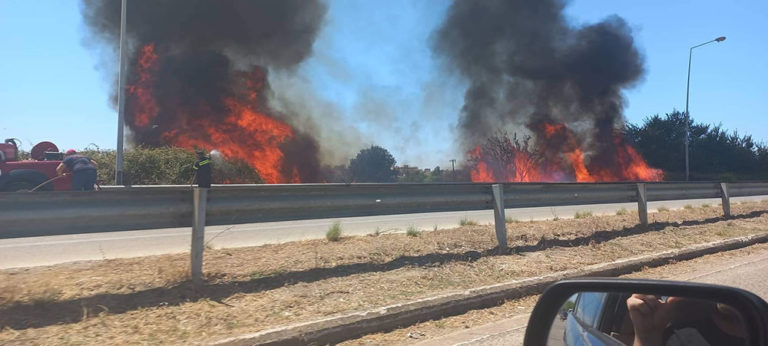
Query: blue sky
point(373, 62)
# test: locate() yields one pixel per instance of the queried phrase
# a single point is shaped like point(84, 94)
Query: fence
point(149, 207)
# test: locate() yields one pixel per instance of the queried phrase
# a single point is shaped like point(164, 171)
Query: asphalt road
point(37, 251)
point(747, 272)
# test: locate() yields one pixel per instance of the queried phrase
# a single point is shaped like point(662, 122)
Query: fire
point(558, 157)
point(142, 91)
point(242, 128)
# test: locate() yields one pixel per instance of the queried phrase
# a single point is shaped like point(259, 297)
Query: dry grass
point(582, 214)
point(467, 222)
point(250, 289)
point(622, 211)
point(512, 308)
point(662, 209)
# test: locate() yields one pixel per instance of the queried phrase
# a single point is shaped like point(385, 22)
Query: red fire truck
point(25, 175)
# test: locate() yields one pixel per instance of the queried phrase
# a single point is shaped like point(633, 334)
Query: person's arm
point(60, 169)
point(650, 317)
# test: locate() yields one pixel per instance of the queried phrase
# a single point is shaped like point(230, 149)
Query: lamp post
point(687, 93)
point(121, 99)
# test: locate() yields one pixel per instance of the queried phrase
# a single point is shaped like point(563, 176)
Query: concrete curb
point(344, 327)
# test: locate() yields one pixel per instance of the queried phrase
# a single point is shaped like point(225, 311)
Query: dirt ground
point(148, 300)
point(432, 329)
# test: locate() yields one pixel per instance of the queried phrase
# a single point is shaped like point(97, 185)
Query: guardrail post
point(498, 215)
point(642, 204)
point(198, 233)
point(726, 199)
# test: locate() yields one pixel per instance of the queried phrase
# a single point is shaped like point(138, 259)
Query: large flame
point(558, 157)
point(245, 131)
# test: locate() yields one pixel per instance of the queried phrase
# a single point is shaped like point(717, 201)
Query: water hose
point(49, 181)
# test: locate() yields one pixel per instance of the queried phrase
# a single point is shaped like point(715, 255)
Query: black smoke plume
point(207, 52)
point(526, 64)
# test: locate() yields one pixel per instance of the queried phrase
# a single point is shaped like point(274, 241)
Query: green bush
point(334, 232)
point(582, 214)
point(622, 211)
point(167, 166)
point(467, 222)
point(412, 232)
point(663, 209)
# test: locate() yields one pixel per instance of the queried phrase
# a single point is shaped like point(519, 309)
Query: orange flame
point(142, 90)
point(246, 132)
point(570, 164)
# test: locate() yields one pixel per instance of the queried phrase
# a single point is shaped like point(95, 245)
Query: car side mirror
point(609, 311)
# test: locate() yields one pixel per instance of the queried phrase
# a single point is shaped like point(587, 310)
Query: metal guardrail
point(148, 207)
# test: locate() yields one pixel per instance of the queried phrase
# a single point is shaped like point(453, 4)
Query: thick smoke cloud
point(276, 33)
point(194, 64)
point(526, 65)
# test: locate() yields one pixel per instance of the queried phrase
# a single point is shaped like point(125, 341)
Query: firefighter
point(202, 169)
point(83, 170)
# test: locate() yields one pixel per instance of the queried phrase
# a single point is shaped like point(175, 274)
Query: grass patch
point(334, 232)
point(705, 205)
point(688, 207)
point(582, 214)
point(467, 222)
point(663, 209)
point(46, 296)
point(622, 211)
point(510, 219)
point(412, 232)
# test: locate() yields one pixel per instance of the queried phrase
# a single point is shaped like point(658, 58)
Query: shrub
point(467, 222)
point(582, 214)
point(622, 211)
point(412, 232)
point(334, 232)
point(688, 207)
point(510, 219)
point(663, 209)
point(167, 165)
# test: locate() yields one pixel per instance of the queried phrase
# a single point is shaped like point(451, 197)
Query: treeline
point(715, 153)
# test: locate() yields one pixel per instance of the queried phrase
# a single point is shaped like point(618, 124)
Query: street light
point(687, 93)
point(121, 77)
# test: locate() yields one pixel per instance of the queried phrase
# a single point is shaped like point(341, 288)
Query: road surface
point(743, 271)
point(37, 251)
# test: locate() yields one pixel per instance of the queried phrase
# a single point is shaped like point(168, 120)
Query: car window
point(589, 307)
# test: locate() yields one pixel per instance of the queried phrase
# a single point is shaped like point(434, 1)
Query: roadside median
point(295, 290)
point(341, 328)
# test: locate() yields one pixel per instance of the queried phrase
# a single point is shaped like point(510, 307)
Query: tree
point(373, 165)
point(715, 153)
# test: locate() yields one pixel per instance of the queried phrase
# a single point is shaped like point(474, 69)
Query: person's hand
point(649, 317)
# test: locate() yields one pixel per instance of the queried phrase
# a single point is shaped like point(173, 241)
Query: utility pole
point(121, 99)
point(453, 168)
